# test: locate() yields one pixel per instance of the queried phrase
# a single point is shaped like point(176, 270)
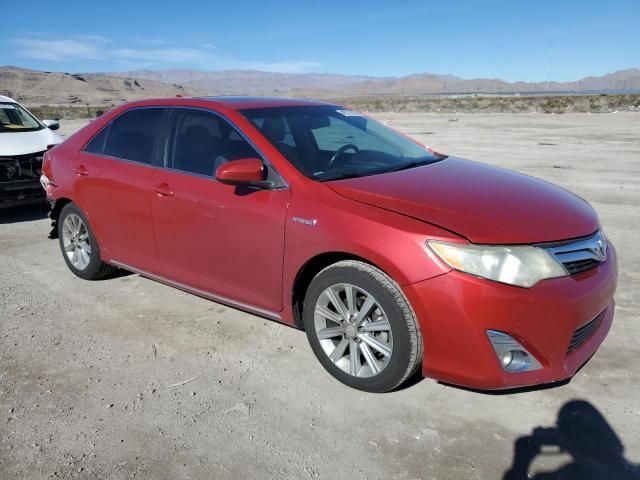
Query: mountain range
point(57, 88)
point(316, 84)
point(46, 88)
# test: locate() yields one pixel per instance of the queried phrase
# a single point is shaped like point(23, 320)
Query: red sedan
point(390, 256)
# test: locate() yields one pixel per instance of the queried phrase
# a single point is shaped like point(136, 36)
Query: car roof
point(241, 102)
point(7, 99)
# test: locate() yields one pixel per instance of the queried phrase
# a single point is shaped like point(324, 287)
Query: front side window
point(133, 136)
point(202, 141)
point(329, 143)
point(14, 118)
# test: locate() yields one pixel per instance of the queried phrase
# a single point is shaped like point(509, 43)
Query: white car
point(23, 141)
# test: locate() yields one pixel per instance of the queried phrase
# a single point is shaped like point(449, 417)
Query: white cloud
point(284, 67)
point(97, 39)
point(155, 56)
point(193, 56)
point(151, 41)
point(57, 50)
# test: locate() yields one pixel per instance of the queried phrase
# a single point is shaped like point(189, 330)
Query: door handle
point(163, 189)
point(81, 171)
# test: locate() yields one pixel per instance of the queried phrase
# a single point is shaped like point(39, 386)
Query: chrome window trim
point(160, 158)
point(126, 160)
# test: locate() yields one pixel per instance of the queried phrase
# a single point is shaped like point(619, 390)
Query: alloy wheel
point(76, 242)
point(353, 330)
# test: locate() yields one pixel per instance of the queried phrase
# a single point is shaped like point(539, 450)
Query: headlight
point(523, 266)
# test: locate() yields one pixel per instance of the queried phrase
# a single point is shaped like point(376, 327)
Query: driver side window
point(202, 141)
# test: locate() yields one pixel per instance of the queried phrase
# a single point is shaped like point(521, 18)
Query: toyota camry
point(392, 257)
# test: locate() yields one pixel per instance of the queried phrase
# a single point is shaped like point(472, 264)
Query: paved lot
point(87, 369)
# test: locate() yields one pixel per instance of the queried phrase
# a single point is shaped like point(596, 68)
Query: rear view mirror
point(244, 171)
point(51, 124)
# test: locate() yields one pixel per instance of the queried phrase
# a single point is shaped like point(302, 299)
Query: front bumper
point(455, 310)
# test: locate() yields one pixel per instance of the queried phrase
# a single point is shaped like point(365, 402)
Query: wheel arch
point(310, 269)
point(57, 207)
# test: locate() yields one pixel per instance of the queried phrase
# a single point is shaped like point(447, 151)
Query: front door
point(217, 238)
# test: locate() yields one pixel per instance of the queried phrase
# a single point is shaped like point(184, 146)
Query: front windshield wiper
point(418, 162)
point(344, 176)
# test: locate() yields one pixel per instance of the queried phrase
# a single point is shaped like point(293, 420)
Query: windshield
point(329, 143)
point(14, 118)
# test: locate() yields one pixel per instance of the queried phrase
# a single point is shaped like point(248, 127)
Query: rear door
point(113, 185)
point(221, 239)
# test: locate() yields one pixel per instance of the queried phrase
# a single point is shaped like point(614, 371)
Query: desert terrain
point(128, 378)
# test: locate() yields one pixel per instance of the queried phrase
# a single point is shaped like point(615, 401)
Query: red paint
point(246, 247)
point(483, 203)
point(460, 308)
point(245, 170)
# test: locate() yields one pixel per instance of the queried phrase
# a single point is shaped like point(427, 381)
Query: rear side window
point(202, 141)
point(131, 136)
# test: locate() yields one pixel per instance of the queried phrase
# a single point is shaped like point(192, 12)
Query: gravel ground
point(128, 378)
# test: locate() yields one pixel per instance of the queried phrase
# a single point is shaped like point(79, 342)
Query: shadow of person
point(582, 433)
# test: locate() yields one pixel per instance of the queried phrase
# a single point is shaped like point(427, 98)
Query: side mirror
point(51, 124)
point(245, 171)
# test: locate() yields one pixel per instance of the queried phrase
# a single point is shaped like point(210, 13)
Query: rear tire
point(79, 246)
point(361, 327)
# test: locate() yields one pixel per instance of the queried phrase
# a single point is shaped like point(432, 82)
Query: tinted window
point(329, 143)
point(131, 136)
point(202, 141)
point(275, 128)
point(96, 145)
point(339, 132)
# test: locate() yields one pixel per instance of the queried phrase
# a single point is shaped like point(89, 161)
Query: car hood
point(23, 143)
point(485, 204)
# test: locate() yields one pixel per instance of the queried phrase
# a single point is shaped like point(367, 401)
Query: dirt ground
point(128, 378)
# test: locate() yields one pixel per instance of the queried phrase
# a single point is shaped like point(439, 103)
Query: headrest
point(273, 128)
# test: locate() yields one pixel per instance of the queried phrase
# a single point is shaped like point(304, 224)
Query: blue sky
point(498, 39)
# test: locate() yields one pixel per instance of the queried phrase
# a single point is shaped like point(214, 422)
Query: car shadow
point(581, 432)
point(510, 391)
point(24, 213)
point(411, 381)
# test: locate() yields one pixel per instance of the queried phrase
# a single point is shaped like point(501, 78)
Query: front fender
point(320, 221)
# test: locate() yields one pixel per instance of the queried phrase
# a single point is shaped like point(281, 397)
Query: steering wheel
point(340, 151)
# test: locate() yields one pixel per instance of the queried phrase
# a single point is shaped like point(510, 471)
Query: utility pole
point(548, 65)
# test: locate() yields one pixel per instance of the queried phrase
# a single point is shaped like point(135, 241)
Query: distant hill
point(251, 81)
point(47, 88)
point(315, 84)
point(50, 88)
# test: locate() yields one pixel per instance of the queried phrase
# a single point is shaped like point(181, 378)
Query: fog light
point(506, 359)
point(513, 357)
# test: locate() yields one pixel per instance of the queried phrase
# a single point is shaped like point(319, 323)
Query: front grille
point(580, 265)
point(20, 178)
point(20, 167)
point(583, 333)
point(579, 255)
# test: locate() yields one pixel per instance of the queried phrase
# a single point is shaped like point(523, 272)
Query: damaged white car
point(23, 141)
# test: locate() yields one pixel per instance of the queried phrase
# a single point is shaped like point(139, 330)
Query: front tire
point(79, 246)
point(361, 327)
